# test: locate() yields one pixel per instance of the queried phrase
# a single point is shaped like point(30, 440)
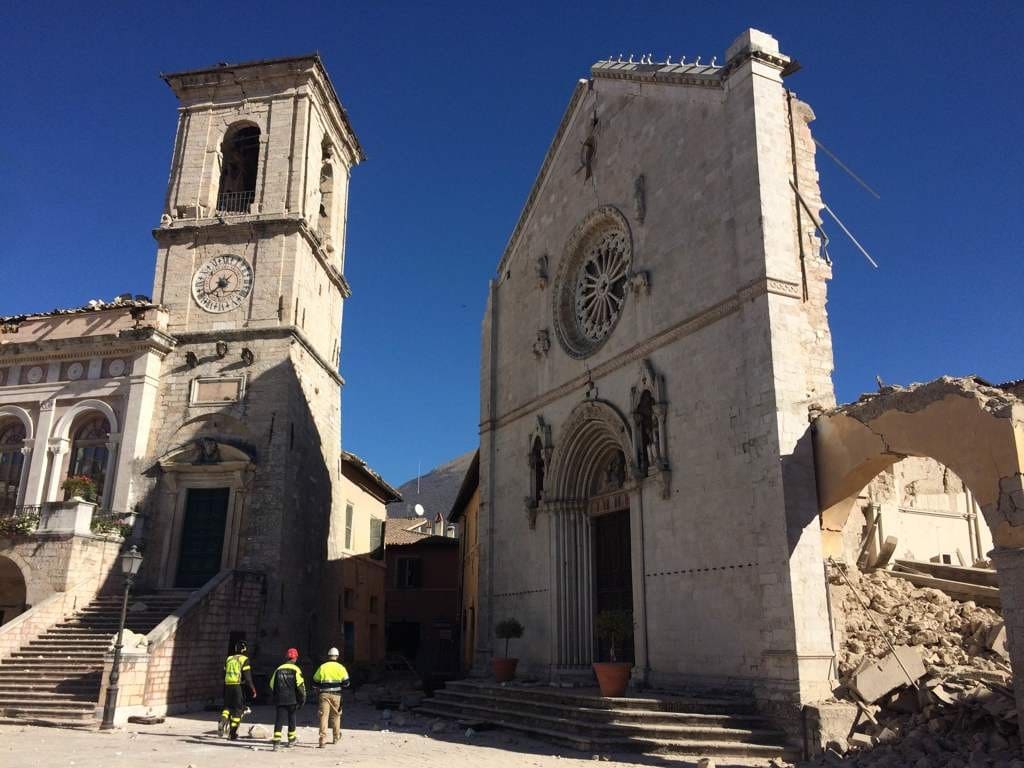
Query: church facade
point(654, 341)
point(208, 415)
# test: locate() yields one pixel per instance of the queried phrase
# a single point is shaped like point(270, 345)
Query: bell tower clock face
point(222, 283)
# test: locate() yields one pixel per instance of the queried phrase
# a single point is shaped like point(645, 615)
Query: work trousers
point(330, 710)
point(234, 706)
point(285, 713)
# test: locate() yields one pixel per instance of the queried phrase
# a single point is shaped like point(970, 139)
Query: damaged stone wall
point(929, 511)
point(959, 709)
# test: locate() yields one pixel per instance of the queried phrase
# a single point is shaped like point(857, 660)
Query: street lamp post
point(130, 563)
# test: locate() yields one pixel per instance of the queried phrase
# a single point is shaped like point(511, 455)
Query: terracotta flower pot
point(504, 669)
point(612, 677)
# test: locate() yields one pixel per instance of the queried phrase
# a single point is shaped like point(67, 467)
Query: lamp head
point(131, 561)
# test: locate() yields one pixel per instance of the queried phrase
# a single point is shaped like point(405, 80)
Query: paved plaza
point(191, 740)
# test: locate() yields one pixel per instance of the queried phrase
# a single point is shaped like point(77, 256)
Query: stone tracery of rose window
point(601, 285)
point(593, 282)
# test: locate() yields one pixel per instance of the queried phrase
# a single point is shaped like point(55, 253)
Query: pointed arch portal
point(589, 500)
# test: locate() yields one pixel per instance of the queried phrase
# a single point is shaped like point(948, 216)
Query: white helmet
point(333, 653)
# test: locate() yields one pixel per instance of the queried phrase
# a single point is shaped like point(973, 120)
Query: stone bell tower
point(250, 267)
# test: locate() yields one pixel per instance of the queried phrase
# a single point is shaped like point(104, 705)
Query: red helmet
point(292, 654)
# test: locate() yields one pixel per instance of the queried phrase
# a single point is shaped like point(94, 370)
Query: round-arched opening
point(915, 510)
point(240, 154)
point(12, 461)
point(90, 451)
point(12, 590)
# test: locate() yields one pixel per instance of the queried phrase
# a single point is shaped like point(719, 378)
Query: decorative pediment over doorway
point(205, 452)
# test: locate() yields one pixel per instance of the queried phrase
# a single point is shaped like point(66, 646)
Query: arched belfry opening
point(326, 214)
point(240, 155)
point(588, 495)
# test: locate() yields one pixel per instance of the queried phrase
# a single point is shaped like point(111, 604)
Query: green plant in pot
point(504, 667)
point(615, 628)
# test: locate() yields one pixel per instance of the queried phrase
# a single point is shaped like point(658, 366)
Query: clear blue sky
point(455, 106)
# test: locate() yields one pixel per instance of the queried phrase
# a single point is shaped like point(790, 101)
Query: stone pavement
point(404, 740)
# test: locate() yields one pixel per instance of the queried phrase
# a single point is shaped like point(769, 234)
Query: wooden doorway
point(202, 536)
point(613, 575)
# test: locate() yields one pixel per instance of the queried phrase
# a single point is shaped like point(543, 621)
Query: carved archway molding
point(593, 431)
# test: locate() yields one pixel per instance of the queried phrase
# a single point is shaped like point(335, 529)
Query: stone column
point(1010, 569)
point(33, 494)
point(56, 449)
point(135, 429)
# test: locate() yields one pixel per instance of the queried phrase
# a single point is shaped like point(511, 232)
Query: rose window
point(592, 284)
point(601, 285)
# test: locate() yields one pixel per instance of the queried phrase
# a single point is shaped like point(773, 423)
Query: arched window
point(12, 437)
point(89, 451)
point(326, 201)
point(240, 155)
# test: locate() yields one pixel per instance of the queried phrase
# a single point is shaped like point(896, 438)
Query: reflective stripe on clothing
point(330, 675)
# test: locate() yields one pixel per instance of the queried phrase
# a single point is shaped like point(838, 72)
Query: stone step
point(51, 703)
point(10, 694)
point(45, 676)
point(72, 655)
point(53, 665)
point(569, 723)
point(682, 747)
point(63, 642)
point(610, 715)
point(47, 714)
point(52, 687)
point(574, 698)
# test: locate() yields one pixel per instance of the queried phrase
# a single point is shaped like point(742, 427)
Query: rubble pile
point(951, 634)
point(944, 699)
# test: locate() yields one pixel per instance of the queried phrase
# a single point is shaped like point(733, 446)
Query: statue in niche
point(615, 474)
point(649, 454)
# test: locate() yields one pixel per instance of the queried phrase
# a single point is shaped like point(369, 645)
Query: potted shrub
point(613, 627)
point(80, 487)
point(504, 667)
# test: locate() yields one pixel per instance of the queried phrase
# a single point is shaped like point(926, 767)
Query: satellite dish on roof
point(418, 509)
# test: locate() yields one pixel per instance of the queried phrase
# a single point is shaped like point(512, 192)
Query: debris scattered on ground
point(145, 719)
point(943, 700)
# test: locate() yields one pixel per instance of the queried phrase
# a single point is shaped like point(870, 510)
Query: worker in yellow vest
point(329, 678)
point(237, 671)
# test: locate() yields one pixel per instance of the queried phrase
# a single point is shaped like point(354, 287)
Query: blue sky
point(455, 106)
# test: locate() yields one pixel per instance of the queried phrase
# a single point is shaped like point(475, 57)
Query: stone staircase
point(583, 720)
point(56, 677)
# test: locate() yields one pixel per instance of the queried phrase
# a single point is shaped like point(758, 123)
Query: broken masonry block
point(877, 677)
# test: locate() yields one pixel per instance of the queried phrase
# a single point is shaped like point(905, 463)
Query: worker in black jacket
point(289, 690)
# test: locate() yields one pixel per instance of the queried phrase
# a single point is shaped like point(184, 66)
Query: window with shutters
point(348, 526)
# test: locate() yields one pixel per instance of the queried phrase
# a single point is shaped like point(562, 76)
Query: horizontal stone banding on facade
point(685, 327)
point(706, 569)
point(517, 594)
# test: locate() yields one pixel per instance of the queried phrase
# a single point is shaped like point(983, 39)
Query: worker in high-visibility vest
point(289, 694)
point(329, 678)
point(237, 671)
